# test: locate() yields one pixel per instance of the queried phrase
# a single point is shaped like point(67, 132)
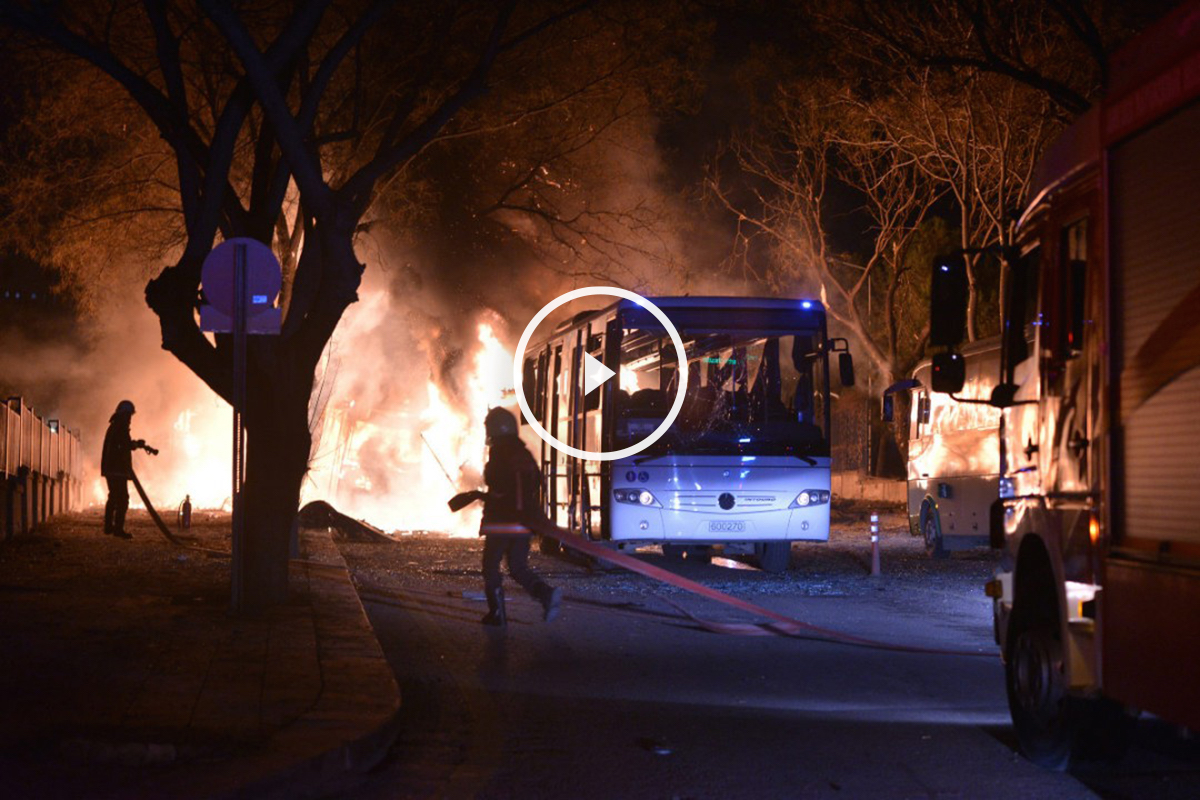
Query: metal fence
point(40, 467)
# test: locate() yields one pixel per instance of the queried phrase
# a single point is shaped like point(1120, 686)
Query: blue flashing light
point(746, 440)
point(748, 458)
point(806, 304)
point(945, 268)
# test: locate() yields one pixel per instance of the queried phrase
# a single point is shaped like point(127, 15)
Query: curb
point(352, 665)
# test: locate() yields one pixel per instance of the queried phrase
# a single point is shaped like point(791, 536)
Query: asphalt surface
point(625, 697)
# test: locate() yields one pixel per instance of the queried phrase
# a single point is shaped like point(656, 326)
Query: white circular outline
point(518, 373)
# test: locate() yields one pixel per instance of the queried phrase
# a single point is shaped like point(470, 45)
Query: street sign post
point(241, 279)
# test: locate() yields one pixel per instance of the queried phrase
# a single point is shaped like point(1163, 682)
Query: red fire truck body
point(1097, 601)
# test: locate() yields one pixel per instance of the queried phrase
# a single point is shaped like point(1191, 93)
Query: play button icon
point(591, 373)
point(594, 373)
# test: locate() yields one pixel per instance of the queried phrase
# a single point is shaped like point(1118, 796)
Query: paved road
point(623, 697)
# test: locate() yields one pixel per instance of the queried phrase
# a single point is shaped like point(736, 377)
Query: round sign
point(263, 278)
point(518, 375)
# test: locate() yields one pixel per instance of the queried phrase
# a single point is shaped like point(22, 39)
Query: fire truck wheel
point(773, 556)
point(1041, 710)
point(931, 528)
point(548, 546)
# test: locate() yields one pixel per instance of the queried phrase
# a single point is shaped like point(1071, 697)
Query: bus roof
point(715, 314)
point(730, 302)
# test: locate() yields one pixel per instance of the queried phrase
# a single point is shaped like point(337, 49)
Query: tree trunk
point(278, 447)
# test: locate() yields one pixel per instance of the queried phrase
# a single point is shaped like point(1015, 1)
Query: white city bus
point(954, 453)
point(746, 463)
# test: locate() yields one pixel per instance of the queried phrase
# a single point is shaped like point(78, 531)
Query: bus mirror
point(949, 373)
point(846, 369)
point(888, 410)
point(1004, 395)
point(948, 301)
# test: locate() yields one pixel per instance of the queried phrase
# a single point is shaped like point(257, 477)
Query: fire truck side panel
point(1152, 665)
point(1151, 599)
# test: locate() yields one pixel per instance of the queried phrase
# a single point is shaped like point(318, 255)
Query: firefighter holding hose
point(116, 465)
point(511, 507)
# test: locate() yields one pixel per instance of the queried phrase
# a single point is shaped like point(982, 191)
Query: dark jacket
point(116, 460)
point(513, 483)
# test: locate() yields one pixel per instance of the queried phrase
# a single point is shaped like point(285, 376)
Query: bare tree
point(818, 142)
point(282, 123)
point(978, 137)
point(1058, 48)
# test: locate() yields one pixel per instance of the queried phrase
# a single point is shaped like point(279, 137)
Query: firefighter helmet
point(124, 407)
point(499, 423)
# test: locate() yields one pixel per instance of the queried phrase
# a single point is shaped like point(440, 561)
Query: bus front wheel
point(773, 556)
point(932, 529)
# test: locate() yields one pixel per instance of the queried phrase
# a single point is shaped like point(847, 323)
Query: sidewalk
point(122, 673)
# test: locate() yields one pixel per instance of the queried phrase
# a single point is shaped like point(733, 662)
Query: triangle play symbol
point(594, 373)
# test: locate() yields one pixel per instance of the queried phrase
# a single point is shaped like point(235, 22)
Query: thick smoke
point(79, 374)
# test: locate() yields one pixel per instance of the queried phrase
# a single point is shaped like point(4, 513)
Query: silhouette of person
point(510, 507)
point(116, 466)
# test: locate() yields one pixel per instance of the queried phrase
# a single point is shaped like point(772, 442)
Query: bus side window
point(529, 384)
point(539, 410)
point(595, 348)
point(920, 414)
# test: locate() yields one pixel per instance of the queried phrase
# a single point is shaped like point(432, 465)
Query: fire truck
point(1097, 597)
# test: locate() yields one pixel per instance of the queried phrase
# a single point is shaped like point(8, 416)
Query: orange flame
point(397, 467)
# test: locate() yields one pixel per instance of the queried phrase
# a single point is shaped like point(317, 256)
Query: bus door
point(542, 415)
point(553, 473)
point(613, 333)
point(591, 438)
point(575, 430)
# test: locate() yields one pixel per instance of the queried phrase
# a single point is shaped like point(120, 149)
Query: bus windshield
point(752, 393)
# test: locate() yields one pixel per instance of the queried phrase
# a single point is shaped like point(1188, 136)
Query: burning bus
point(746, 463)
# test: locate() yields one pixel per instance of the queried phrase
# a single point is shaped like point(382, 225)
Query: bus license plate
point(726, 527)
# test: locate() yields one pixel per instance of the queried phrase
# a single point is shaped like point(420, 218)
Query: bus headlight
point(810, 497)
point(636, 497)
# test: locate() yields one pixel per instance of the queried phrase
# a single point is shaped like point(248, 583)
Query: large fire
point(391, 445)
point(396, 467)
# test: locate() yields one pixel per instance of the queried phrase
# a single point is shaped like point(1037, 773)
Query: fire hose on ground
point(779, 624)
point(162, 526)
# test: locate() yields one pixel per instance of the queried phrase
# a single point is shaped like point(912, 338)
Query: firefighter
point(116, 465)
point(511, 506)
